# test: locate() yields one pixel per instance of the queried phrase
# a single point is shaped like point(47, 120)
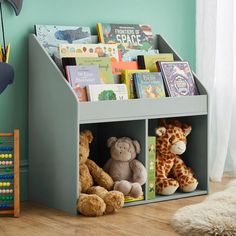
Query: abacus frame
point(16, 208)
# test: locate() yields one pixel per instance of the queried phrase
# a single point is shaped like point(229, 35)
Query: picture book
point(128, 80)
point(132, 54)
point(80, 76)
point(50, 36)
point(149, 61)
point(119, 66)
point(104, 64)
point(149, 85)
point(178, 78)
point(101, 50)
point(102, 92)
point(132, 36)
point(151, 183)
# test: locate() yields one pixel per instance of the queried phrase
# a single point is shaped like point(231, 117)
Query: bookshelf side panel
point(53, 133)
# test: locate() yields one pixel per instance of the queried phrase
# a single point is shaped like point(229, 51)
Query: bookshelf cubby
point(56, 118)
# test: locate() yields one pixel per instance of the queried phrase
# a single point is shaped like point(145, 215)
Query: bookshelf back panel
point(99, 152)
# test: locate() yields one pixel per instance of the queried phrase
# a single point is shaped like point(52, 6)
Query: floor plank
point(150, 219)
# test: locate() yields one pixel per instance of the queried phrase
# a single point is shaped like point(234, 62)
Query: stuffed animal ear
point(160, 131)
point(88, 135)
point(137, 146)
point(111, 141)
point(177, 123)
point(187, 129)
point(163, 122)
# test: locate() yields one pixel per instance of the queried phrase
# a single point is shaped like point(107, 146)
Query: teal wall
point(174, 19)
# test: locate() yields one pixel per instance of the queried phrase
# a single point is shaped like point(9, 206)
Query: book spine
point(67, 73)
point(136, 87)
point(151, 193)
point(141, 62)
point(88, 93)
point(125, 80)
point(100, 33)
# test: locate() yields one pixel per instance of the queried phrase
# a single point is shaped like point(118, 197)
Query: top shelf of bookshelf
point(48, 77)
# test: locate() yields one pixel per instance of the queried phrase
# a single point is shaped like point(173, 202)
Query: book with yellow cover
point(133, 199)
point(127, 78)
point(149, 61)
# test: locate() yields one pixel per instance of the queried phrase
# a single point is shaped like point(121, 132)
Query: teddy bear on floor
point(95, 200)
point(128, 173)
point(171, 171)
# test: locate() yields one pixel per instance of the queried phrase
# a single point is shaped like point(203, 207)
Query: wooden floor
point(146, 220)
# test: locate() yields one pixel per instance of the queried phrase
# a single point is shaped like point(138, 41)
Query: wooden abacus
point(9, 174)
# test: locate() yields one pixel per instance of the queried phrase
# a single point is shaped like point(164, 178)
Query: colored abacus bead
point(10, 155)
point(1, 184)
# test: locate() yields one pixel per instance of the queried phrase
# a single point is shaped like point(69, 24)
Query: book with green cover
point(134, 39)
point(104, 63)
point(151, 183)
point(149, 61)
point(127, 78)
point(149, 85)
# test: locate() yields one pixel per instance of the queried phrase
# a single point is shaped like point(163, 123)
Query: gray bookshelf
point(56, 118)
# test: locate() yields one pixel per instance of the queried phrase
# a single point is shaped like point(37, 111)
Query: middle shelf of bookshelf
point(56, 118)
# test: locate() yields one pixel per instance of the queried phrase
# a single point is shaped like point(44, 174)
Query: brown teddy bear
point(95, 200)
point(128, 173)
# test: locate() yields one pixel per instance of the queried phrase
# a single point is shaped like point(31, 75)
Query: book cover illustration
point(149, 61)
point(151, 194)
point(127, 36)
point(104, 64)
point(80, 76)
point(127, 78)
point(132, 54)
point(178, 78)
point(103, 92)
point(101, 50)
point(50, 36)
point(149, 85)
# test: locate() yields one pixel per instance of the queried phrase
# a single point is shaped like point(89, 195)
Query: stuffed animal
point(95, 200)
point(171, 171)
point(128, 173)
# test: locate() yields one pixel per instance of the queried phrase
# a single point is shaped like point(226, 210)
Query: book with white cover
point(102, 92)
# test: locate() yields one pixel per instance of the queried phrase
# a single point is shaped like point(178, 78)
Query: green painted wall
point(174, 19)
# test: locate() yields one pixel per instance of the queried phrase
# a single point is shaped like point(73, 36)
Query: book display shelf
point(56, 118)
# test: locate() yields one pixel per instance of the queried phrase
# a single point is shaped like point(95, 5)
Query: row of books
point(130, 39)
point(104, 71)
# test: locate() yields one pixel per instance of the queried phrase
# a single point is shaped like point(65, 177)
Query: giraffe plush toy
point(171, 171)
